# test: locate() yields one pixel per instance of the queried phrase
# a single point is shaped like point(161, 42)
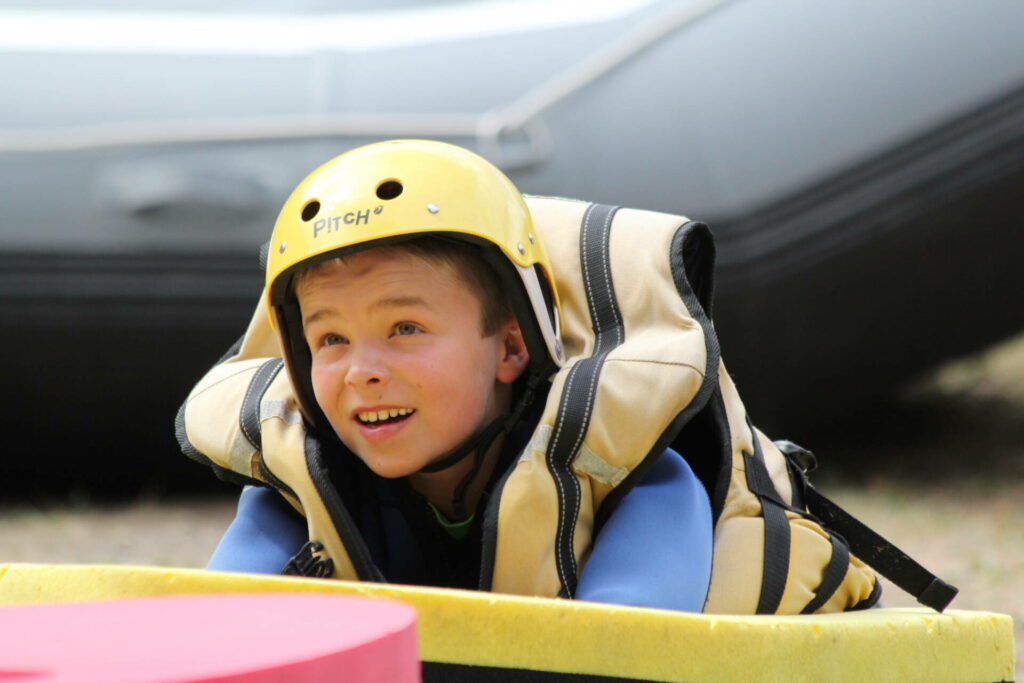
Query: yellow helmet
point(392, 191)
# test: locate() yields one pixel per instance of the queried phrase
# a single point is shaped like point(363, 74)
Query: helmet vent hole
point(389, 189)
point(310, 210)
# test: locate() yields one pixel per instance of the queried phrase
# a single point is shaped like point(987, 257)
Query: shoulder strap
point(577, 399)
point(249, 414)
point(775, 568)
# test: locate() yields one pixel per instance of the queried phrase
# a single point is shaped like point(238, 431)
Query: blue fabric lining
point(654, 551)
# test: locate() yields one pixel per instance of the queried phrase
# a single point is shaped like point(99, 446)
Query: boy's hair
point(465, 262)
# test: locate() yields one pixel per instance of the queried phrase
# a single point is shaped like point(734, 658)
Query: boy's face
point(399, 364)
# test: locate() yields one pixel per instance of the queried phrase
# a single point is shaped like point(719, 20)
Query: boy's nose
point(366, 369)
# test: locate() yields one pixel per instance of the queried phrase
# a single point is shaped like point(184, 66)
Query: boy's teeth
point(377, 415)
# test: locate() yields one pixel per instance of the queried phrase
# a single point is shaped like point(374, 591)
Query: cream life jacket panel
point(643, 372)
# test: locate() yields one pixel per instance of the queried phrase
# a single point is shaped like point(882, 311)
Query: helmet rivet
point(284, 245)
point(533, 240)
point(522, 249)
point(433, 208)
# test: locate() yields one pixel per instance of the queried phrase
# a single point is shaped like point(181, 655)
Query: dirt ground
point(938, 472)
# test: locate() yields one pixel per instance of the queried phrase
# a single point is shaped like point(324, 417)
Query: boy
point(419, 324)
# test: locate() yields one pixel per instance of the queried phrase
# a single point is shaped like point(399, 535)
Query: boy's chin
point(392, 473)
point(391, 468)
point(388, 467)
point(396, 465)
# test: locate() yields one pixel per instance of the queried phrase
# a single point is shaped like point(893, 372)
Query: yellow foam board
point(510, 633)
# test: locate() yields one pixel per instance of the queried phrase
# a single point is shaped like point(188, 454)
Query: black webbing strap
point(776, 531)
point(577, 400)
point(835, 572)
point(477, 444)
point(249, 415)
point(883, 556)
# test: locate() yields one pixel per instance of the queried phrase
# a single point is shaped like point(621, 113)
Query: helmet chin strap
point(480, 443)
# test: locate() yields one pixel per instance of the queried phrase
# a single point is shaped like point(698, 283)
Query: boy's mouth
point(384, 416)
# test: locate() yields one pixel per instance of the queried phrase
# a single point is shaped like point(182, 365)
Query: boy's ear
point(515, 357)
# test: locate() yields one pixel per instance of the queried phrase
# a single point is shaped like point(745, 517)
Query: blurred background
point(860, 163)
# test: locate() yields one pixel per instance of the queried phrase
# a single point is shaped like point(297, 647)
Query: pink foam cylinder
point(223, 638)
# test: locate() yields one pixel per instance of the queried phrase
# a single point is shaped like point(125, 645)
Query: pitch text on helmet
point(334, 223)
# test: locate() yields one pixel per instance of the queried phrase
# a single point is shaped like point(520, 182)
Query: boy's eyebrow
point(313, 317)
point(388, 302)
point(401, 302)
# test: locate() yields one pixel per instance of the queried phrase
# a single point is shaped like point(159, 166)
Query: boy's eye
point(403, 329)
point(331, 339)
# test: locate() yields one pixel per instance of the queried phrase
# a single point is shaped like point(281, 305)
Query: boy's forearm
point(655, 549)
point(264, 535)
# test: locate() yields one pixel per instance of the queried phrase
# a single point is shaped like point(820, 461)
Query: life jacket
point(643, 373)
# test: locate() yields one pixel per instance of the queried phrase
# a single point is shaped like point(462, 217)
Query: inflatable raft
point(472, 636)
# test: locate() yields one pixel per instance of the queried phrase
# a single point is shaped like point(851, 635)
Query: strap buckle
point(798, 455)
